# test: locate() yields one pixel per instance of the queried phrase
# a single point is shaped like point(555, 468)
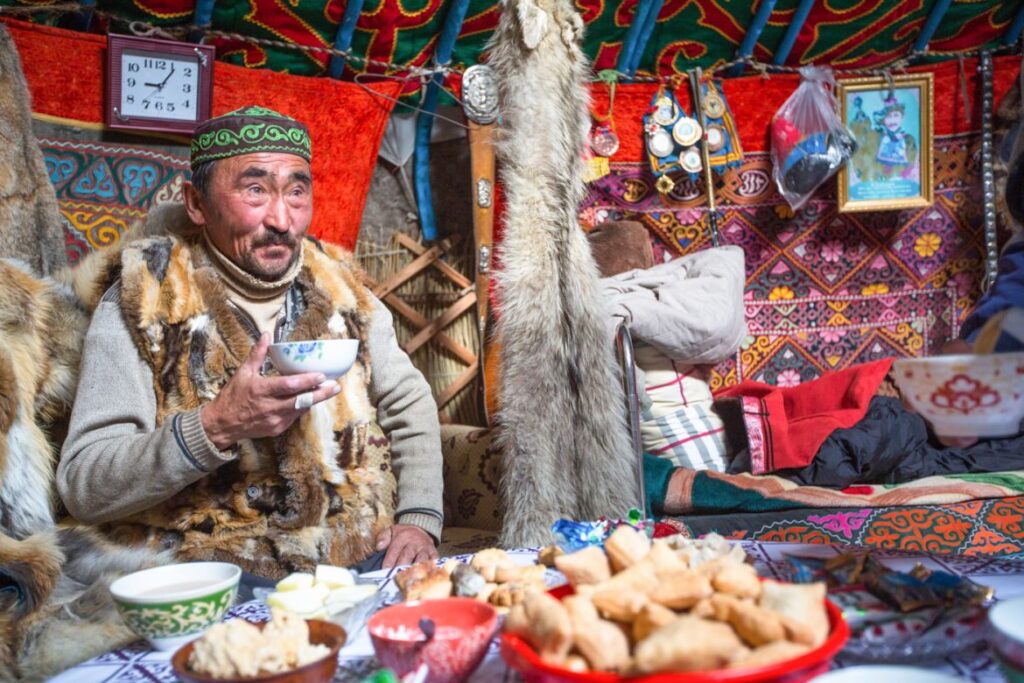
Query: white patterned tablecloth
point(139, 663)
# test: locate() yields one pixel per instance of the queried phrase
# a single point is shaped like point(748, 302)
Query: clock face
point(159, 86)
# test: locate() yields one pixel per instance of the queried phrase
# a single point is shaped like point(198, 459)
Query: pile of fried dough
point(491, 576)
point(641, 607)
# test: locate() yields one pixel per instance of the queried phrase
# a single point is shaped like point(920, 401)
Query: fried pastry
point(548, 554)
point(649, 619)
point(424, 581)
point(755, 625)
point(488, 561)
point(663, 558)
point(802, 608)
point(778, 651)
point(737, 579)
point(625, 547)
point(681, 589)
point(543, 622)
point(584, 567)
point(602, 643)
point(619, 605)
point(687, 644)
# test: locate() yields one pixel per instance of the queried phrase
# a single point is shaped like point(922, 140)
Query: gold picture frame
point(892, 122)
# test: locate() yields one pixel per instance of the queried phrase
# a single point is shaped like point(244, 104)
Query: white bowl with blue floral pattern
point(172, 605)
point(331, 357)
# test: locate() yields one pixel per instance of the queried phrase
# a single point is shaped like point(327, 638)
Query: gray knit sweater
point(116, 461)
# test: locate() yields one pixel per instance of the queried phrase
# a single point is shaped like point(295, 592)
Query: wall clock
point(158, 85)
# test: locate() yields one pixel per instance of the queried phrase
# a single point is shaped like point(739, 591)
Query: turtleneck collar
point(247, 285)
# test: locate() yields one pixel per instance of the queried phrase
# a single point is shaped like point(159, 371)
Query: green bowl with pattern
point(172, 605)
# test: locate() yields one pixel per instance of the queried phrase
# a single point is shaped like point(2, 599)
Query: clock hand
point(167, 78)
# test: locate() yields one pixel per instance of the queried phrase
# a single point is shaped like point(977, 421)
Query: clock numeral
point(131, 82)
point(188, 72)
point(158, 105)
point(170, 106)
point(134, 66)
point(186, 88)
point(130, 99)
point(185, 104)
point(159, 64)
point(145, 104)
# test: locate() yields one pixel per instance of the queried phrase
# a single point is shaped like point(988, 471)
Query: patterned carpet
point(824, 290)
point(102, 187)
point(981, 527)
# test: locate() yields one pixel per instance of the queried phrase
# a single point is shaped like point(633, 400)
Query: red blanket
point(787, 425)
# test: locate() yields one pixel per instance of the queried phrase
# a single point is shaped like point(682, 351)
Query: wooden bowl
point(320, 671)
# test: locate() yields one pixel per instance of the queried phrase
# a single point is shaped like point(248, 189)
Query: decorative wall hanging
point(892, 121)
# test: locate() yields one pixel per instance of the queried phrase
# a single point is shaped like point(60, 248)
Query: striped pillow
point(677, 422)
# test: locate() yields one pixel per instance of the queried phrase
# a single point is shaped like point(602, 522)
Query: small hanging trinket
point(665, 110)
point(602, 141)
point(686, 131)
point(664, 184)
point(691, 161)
point(715, 137)
point(713, 104)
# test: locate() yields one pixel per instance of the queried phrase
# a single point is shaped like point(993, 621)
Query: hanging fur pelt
point(562, 417)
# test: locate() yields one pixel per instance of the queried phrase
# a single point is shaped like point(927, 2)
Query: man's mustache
point(277, 239)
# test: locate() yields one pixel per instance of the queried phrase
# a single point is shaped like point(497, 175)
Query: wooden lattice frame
point(432, 330)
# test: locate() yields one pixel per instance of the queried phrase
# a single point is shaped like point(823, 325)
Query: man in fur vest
point(183, 437)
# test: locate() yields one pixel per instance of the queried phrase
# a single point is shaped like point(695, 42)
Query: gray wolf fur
point(32, 226)
point(562, 419)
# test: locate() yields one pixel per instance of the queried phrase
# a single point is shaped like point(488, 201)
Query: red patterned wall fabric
point(65, 73)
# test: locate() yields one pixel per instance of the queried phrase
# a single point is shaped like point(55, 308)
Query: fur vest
point(319, 492)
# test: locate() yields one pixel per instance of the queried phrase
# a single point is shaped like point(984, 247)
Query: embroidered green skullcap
point(246, 130)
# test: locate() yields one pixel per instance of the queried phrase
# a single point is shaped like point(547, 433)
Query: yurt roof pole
point(1013, 34)
point(753, 33)
point(202, 17)
point(931, 24)
point(425, 120)
point(343, 39)
point(795, 24)
point(85, 14)
point(638, 36)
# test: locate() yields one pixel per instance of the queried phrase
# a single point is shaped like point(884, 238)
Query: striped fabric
point(677, 423)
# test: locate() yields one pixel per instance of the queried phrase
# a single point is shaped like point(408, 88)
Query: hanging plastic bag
point(809, 141)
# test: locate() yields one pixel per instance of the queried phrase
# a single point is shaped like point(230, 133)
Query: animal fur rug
point(562, 419)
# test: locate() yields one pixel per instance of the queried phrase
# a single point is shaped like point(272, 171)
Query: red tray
point(519, 655)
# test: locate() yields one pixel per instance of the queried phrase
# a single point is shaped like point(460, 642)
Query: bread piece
point(542, 621)
point(625, 547)
point(737, 579)
point(802, 608)
point(771, 653)
point(639, 578)
point(576, 663)
point(488, 561)
point(584, 567)
point(755, 625)
point(687, 644)
point(649, 619)
point(681, 589)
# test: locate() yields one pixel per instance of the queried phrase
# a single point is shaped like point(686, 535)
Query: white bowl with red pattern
point(966, 395)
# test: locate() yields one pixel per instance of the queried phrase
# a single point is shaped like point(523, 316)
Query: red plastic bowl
point(463, 631)
point(519, 655)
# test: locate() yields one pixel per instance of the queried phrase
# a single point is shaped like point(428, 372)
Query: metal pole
point(931, 24)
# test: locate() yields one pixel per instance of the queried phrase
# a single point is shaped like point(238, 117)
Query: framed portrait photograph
point(892, 123)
